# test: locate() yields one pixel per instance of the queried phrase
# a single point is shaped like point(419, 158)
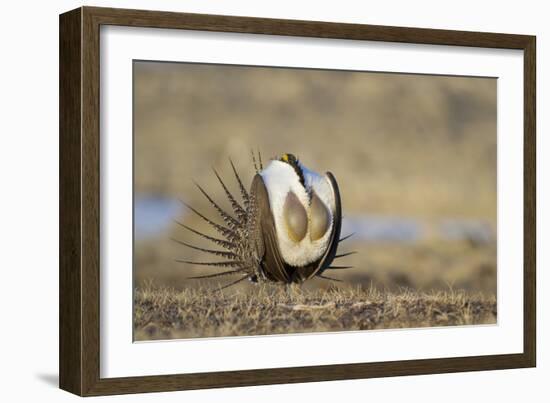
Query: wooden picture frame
point(79, 346)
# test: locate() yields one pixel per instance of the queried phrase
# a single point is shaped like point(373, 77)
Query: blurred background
point(414, 156)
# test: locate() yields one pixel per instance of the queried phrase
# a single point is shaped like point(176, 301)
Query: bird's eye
point(320, 218)
point(295, 217)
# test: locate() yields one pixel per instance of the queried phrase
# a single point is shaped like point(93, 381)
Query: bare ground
point(165, 313)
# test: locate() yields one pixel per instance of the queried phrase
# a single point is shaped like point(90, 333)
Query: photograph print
point(273, 200)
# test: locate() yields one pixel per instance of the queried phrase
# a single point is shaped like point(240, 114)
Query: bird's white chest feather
point(279, 179)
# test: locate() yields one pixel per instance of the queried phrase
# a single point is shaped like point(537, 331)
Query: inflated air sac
point(320, 218)
point(295, 216)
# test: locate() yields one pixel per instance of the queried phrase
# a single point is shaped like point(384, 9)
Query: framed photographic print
point(249, 201)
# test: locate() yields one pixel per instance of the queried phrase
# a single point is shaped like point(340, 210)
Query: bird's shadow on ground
point(49, 379)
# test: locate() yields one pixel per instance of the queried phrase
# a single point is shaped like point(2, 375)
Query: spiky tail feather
point(235, 236)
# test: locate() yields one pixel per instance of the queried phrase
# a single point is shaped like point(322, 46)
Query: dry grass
point(165, 313)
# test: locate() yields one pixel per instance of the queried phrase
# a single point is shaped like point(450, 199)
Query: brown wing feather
point(267, 246)
point(333, 245)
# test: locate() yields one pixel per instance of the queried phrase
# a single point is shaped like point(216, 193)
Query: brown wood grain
point(70, 271)
point(530, 202)
point(80, 200)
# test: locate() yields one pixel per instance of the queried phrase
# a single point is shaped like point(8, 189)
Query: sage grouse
point(286, 229)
